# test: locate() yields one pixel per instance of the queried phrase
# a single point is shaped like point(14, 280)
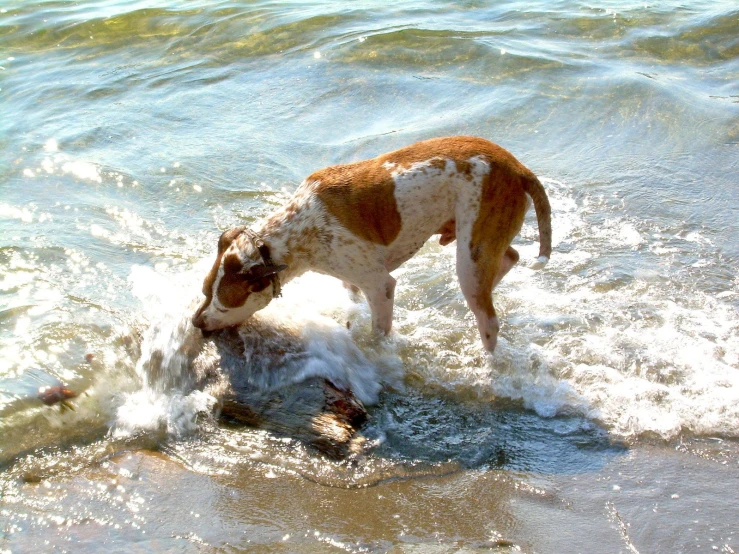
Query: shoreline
point(650, 498)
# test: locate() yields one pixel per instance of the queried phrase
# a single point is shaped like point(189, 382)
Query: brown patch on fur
point(224, 242)
point(457, 149)
point(233, 290)
point(236, 284)
point(464, 167)
point(502, 209)
point(362, 197)
point(232, 264)
point(438, 163)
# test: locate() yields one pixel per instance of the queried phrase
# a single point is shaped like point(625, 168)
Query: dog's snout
point(197, 319)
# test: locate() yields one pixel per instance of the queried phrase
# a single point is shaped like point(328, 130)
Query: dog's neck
point(292, 235)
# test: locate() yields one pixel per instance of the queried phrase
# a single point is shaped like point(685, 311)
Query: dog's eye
point(260, 284)
point(220, 309)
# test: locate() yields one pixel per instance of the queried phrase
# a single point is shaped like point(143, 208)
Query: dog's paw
point(540, 262)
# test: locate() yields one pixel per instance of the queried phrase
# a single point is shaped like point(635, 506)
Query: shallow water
point(132, 133)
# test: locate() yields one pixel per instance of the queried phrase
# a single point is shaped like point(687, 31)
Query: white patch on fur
point(467, 210)
point(284, 226)
point(425, 195)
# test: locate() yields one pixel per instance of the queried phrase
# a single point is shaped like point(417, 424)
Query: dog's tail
point(535, 190)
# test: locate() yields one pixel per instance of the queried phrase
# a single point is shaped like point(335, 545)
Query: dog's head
point(240, 283)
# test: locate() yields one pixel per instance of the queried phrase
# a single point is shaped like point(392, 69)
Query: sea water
point(134, 133)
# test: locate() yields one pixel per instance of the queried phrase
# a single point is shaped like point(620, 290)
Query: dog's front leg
point(381, 296)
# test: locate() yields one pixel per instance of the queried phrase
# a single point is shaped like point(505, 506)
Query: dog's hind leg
point(476, 281)
point(484, 255)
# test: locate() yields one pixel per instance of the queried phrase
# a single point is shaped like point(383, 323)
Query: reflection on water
point(132, 133)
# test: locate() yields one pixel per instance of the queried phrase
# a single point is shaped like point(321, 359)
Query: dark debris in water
point(57, 395)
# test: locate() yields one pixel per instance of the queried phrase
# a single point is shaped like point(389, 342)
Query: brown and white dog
point(360, 221)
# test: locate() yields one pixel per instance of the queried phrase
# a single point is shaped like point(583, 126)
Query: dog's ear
point(261, 271)
point(259, 277)
point(228, 236)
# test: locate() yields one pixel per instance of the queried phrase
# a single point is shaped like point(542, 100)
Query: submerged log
point(255, 372)
point(315, 412)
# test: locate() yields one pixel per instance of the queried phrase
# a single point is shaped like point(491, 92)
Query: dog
point(360, 221)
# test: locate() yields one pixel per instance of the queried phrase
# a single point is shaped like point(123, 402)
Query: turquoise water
point(132, 133)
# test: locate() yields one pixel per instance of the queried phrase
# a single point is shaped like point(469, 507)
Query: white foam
point(641, 354)
point(148, 411)
point(315, 311)
point(319, 308)
point(588, 334)
point(156, 406)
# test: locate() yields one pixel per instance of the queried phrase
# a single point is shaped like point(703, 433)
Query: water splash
point(291, 341)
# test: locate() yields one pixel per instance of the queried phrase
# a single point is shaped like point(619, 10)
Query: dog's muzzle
point(198, 320)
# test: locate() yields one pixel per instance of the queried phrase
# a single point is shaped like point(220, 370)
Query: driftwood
point(255, 370)
point(315, 412)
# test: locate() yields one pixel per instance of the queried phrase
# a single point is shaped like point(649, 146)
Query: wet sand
point(644, 499)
